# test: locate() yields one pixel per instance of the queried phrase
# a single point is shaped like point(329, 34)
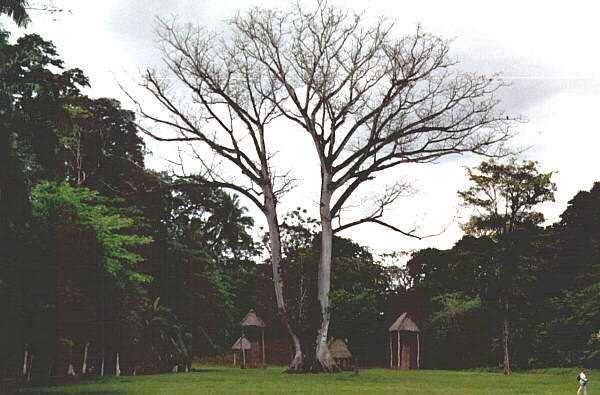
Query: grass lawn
point(221, 380)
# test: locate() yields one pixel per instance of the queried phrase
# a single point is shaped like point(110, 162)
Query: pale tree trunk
point(102, 366)
point(85, 353)
point(70, 370)
point(297, 363)
point(323, 361)
point(29, 367)
point(25, 360)
point(505, 332)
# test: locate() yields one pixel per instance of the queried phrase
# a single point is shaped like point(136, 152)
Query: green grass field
point(220, 380)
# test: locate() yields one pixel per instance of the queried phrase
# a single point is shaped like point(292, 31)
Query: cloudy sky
point(547, 50)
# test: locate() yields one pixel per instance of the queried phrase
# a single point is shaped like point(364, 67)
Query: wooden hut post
point(391, 354)
point(243, 352)
point(401, 348)
point(234, 353)
point(398, 349)
point(263, 348)
point(418, 351)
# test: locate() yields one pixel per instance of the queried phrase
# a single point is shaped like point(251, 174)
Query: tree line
point(511, 290)
point(104, 262)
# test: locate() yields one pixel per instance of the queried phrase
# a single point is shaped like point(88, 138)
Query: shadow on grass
point(204, 370)
point(37, 392)
point(65, 382)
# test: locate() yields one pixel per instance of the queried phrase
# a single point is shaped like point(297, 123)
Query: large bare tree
point(368, 101)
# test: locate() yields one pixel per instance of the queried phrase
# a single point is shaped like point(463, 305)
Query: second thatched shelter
point(405, 349)
point(241, 345)
point(253, 329)
point(340, 353)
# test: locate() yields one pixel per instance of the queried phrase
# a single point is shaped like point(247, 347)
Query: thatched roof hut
point(241, 346)
point(407, 341)
point(251, 319)
point(404, 323)
point(256, 337)
point(241, 342)
point(338, 349)
point(340, 353)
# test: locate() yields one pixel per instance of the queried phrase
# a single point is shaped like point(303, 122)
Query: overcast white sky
point(549, 50)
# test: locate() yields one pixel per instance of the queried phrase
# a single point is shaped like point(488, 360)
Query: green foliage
point(359, 288)
point(217, 297)
point(99, 147)
point(212, 221)
point(78, 212)
point(359, 299)
point(62, 204)
point(211, 266)
point(506, 194)
point(33, 86)
point(453, 307)
point(169, 341)
point(69, 343)
point(548, 277)
point(17, 10)
point(33, 95)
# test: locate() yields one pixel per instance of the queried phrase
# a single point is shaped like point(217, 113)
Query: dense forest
point(107, 265)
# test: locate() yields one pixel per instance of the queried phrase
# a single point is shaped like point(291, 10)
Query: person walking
point(582, 382)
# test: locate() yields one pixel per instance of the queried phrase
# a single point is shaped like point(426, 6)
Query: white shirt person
point(582, 382)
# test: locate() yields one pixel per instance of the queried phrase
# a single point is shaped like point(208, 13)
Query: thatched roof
point(251, 319)
point(338, 349)
point(404, 323)
point(238, 344)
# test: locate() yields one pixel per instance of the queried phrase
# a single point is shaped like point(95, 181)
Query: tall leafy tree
point(53, 203)
point(101, 148)
point(33, 89)
point(211, 253)
point(80, 253)
point(504, 196)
